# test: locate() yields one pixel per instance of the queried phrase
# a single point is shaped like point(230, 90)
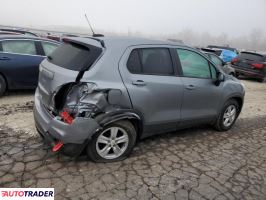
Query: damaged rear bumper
point(52, 128)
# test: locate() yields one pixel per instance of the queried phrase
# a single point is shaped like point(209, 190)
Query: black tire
point(219, 124)
point(132, 135)
point(2, 85)
point(262, 80)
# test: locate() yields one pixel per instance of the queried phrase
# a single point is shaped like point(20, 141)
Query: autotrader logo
point(26, 193)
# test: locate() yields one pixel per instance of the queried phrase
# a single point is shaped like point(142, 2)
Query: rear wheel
point(228, 115)
point(115, 142)
point(262, 80)
point(2, 85)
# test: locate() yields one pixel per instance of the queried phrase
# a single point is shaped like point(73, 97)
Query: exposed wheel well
point(138, 126)
point(239, 101)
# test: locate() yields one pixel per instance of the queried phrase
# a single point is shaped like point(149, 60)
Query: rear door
point(150, 77)
point(20, 61)
point(201, 98)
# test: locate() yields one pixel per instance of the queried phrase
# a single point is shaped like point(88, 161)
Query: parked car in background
point(251, 64)
point(53, 37)
point(23, 32)
point(223, 47)
point(226, 67)
point(226, 55)
point(103, 94)
point(178, 41)
point(20, 57)
point(58, 37)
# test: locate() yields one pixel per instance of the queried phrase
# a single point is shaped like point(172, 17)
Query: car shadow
point(19, 92)
point(242, 78)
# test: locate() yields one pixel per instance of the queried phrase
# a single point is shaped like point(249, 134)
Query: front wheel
point(114, 143)
point(228, 115)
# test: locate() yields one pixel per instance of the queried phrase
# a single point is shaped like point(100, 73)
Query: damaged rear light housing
point(80, 100)
point(67, 118)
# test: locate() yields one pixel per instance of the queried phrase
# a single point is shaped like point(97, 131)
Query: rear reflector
point(66, 117)
point(234, 60)
point(257, 65)
point(57, 146)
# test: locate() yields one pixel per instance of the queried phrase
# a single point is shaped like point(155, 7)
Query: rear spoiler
point(70, 40)
point(98, 39)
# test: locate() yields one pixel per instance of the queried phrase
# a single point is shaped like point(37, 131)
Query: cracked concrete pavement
point(197, 163)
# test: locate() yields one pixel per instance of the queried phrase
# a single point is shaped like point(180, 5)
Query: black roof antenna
point(93, 34)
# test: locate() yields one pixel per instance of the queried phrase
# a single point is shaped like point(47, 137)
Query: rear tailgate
point(51, 77)
point(66, 65)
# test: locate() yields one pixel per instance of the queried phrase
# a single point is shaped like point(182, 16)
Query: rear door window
point(19, 46)
point(74, 56)
point(48, 47)
point(153, 61)
point(133, 63)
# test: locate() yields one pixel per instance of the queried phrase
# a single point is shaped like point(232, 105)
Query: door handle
point(190, 87)
point(4, 58)
point(139, 83)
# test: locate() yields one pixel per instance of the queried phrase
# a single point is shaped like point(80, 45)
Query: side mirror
point(220, 78)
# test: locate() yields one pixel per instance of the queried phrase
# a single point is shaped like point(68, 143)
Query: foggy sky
point(232, 17)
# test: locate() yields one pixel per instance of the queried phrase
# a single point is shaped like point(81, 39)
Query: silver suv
point(103, 94)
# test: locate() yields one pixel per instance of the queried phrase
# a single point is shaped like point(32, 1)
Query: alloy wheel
point(112, 142)
point(229, 115)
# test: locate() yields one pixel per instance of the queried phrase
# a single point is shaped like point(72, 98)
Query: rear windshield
point(251, 56)
point(75, 56)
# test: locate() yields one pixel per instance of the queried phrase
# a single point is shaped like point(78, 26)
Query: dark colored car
point(20, 57)
point(251, 64)
point(223, 47)
point(226, 67)
point(26, 33)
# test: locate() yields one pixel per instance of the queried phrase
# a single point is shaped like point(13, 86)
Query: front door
point(201, 96)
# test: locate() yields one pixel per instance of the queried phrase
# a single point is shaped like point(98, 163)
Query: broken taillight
point(67, 118)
